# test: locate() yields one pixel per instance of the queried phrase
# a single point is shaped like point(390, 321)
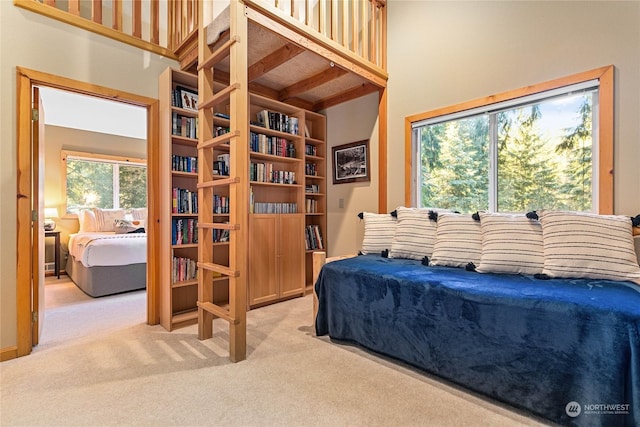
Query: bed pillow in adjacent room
point(511, 243)
point(587, 245)
point(415, 234)
point(123, 226)
point(379, 230)
point(458, 241)
point(105, 218)
point(87, 221)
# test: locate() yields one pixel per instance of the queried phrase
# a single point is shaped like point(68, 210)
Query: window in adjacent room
point(104, 181)
point(538, 151)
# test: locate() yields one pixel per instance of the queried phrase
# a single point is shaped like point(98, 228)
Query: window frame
point(605, 75)
point(98, 157)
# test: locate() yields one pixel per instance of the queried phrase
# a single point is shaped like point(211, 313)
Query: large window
point(535, 151)
point(103, 181)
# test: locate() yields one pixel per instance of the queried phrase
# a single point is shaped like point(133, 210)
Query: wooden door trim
point(25, 80)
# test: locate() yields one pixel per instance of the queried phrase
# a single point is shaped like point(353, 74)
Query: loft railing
point(360, 26)
point(169, 28)
point(157, 26)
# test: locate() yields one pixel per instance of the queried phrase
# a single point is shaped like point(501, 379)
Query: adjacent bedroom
point(95, 199)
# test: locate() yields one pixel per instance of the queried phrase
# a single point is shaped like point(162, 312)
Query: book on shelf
point(313, 237)
point(184, 231)
point(274, 208)
point(277, 121)
point(184, 163)
point(184, 269)
point(184, 201)
point(222, 164)
point(184, 126)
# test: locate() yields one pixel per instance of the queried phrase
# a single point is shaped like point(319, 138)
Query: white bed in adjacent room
point(106, 262)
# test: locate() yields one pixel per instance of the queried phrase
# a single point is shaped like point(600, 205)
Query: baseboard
point(8, 353)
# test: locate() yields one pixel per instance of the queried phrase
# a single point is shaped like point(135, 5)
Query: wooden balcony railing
point(169, 28)
point(359, 26)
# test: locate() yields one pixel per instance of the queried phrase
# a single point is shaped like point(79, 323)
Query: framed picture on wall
point(351, 162)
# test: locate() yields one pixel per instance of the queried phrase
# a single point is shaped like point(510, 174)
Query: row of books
point(313, 237)
point(273, 145)
point(311, 205)
point(310, 150)
point(220, 204)
point(274, 208)
point(184, 201)
point(184, 163)
point(184, 126)
point(311, 169)
point(264, 172)
point(277, 121)
point(184, 231)
point(184, 269)
point(312, 188)
point(220, 236)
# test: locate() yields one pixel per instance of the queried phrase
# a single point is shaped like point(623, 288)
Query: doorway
point(26, 303)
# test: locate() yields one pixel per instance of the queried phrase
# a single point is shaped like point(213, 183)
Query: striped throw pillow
point(458, 241)
point(379, 230)
point(587, 245)
point(415, 234)
point(511, 243)
point(105, 218)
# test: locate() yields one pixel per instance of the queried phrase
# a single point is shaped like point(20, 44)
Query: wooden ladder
point(237, 96)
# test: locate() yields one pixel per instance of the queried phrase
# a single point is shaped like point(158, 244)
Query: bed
point(105, 263)
point(545, 316)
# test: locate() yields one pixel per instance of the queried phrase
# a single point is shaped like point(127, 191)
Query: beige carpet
point(99, 364)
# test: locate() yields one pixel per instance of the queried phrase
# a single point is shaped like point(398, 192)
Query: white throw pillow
point(587, 245)
point(415, 234)
point(511, 243)
point(458, 241)
point(105, 218)
point(87, 220)
point(379, 230)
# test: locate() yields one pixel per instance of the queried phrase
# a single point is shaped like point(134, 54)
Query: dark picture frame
point(351, 162)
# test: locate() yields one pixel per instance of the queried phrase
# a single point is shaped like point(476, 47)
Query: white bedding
point(108, 249)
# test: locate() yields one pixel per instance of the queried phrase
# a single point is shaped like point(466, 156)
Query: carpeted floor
point(99, 364)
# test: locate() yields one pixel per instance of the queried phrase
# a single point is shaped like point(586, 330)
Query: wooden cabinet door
point(263, 285)
point(290, 240)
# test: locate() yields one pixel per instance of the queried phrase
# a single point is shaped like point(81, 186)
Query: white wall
point(352, 121)
point(33, 41)
point(443, 52)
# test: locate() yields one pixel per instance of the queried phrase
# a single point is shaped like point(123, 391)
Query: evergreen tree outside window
point(102, 181)
point(516, 156)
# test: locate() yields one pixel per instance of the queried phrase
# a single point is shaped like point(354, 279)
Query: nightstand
point(56, 236)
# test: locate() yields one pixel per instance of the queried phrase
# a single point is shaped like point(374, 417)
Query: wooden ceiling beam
point(310, 83)
point(223, 78)
point(273, 60)
point(348, 95)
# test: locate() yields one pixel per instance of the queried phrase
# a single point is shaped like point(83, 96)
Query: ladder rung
point(218, 97)
point(219, 226)
point(219, 140)
point(216, 310)
point(223, 269)
point(220, 53)
point(217, 182)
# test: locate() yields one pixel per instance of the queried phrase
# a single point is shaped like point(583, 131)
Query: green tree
point(133, 186)
point(89, 184)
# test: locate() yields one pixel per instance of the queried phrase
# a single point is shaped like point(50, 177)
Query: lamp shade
point(51, 213)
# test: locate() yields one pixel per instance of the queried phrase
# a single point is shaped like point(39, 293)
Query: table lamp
point(49, 214)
